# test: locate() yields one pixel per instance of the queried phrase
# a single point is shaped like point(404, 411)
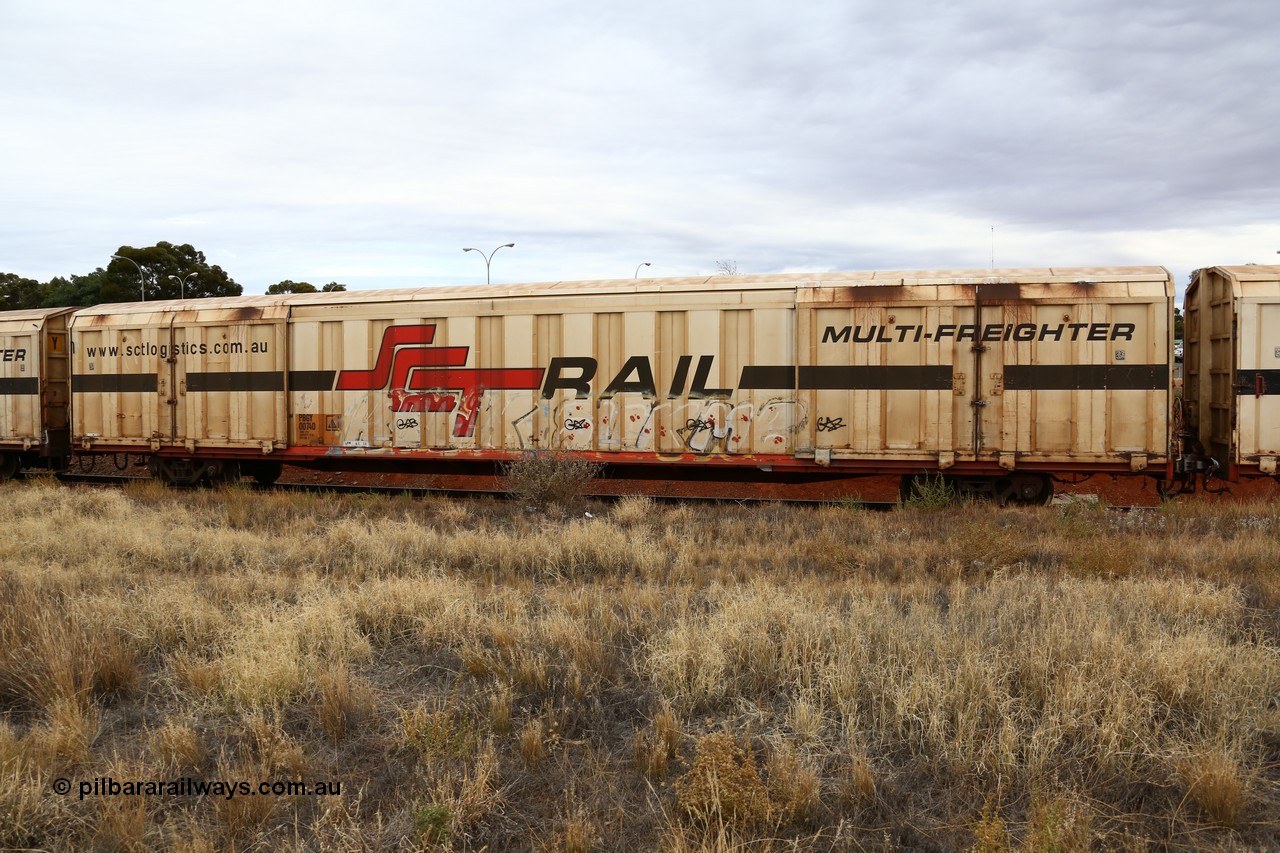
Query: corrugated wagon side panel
point(878, 382)
point(609, 350)
point(34, 384)
point(120, 379)
point(669, 420)
point(777, 418)
point(1083, 373)
point(1257, 386)
point(500, 400)
point(572, 416)
point(20, 358)
point(230, 377)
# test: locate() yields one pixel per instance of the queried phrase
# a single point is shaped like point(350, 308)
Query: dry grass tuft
point(62, 742)
point(533, 743)
point(1215, 781)
point(795, 787)
point(633, 512)
point(177, 746)
point(447, 732)
point(858, 782)
point(121, 824)
point(242, 817)
point(343, 704)
point(577, 835)
point(1061, 823)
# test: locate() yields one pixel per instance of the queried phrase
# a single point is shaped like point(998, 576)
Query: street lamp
point(142, 281)
point(645, 264)
point(182, 282)
point(489, 257)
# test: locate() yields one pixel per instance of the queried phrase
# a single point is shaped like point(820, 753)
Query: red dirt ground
point(1111, 490)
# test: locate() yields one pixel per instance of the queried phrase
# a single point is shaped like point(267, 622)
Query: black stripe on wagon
point(1086, 377)
point(875, 377)
point(120, 383)
point(840, 377)
point(1251, 383)
point(311, 380)
point(768, 376)
point(19, 385)
point(254, 380)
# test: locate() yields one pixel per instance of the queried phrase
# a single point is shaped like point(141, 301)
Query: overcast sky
point(368, 142)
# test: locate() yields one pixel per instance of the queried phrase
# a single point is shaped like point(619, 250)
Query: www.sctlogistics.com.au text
point(108, 786)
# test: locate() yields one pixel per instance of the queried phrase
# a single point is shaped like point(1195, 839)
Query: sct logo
point(420, 378)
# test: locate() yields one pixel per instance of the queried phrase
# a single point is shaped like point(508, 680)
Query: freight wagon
point(1232, 365)
point(1002, 381)
point(35, 389)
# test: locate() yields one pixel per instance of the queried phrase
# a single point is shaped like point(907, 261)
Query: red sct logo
point(421, 378)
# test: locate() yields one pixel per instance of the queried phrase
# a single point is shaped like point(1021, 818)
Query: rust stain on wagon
point(872, 293)
point(998, 293)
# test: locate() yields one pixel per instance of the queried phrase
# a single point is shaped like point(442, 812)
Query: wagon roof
point(1251, 272)
point(35, 315)
point(700, 284)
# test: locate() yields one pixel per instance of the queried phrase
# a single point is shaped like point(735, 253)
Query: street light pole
point(488, 257)
point(142, 281)
point(182, 282)
point(645, 264)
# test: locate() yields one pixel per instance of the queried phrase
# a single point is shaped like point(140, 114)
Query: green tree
point(160, 272)
point(78, 290)
point(288, 286)
point(18, 293)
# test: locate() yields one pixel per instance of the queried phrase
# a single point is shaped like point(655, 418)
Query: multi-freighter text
point(989, 333)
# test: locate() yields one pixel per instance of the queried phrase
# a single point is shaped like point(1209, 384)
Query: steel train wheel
point(1024, 490)
point(9, 465)
point(263, 473)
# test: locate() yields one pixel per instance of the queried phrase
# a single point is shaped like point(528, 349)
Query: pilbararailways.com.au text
point(108, 786)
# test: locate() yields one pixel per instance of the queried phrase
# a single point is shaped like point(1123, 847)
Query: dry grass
point(660, 676)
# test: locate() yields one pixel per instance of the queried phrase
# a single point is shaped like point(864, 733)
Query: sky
point(368, 143)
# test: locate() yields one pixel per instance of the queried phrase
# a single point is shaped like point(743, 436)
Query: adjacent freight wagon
point(1000, 380)
point(35, 389)
point(1232, 365)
